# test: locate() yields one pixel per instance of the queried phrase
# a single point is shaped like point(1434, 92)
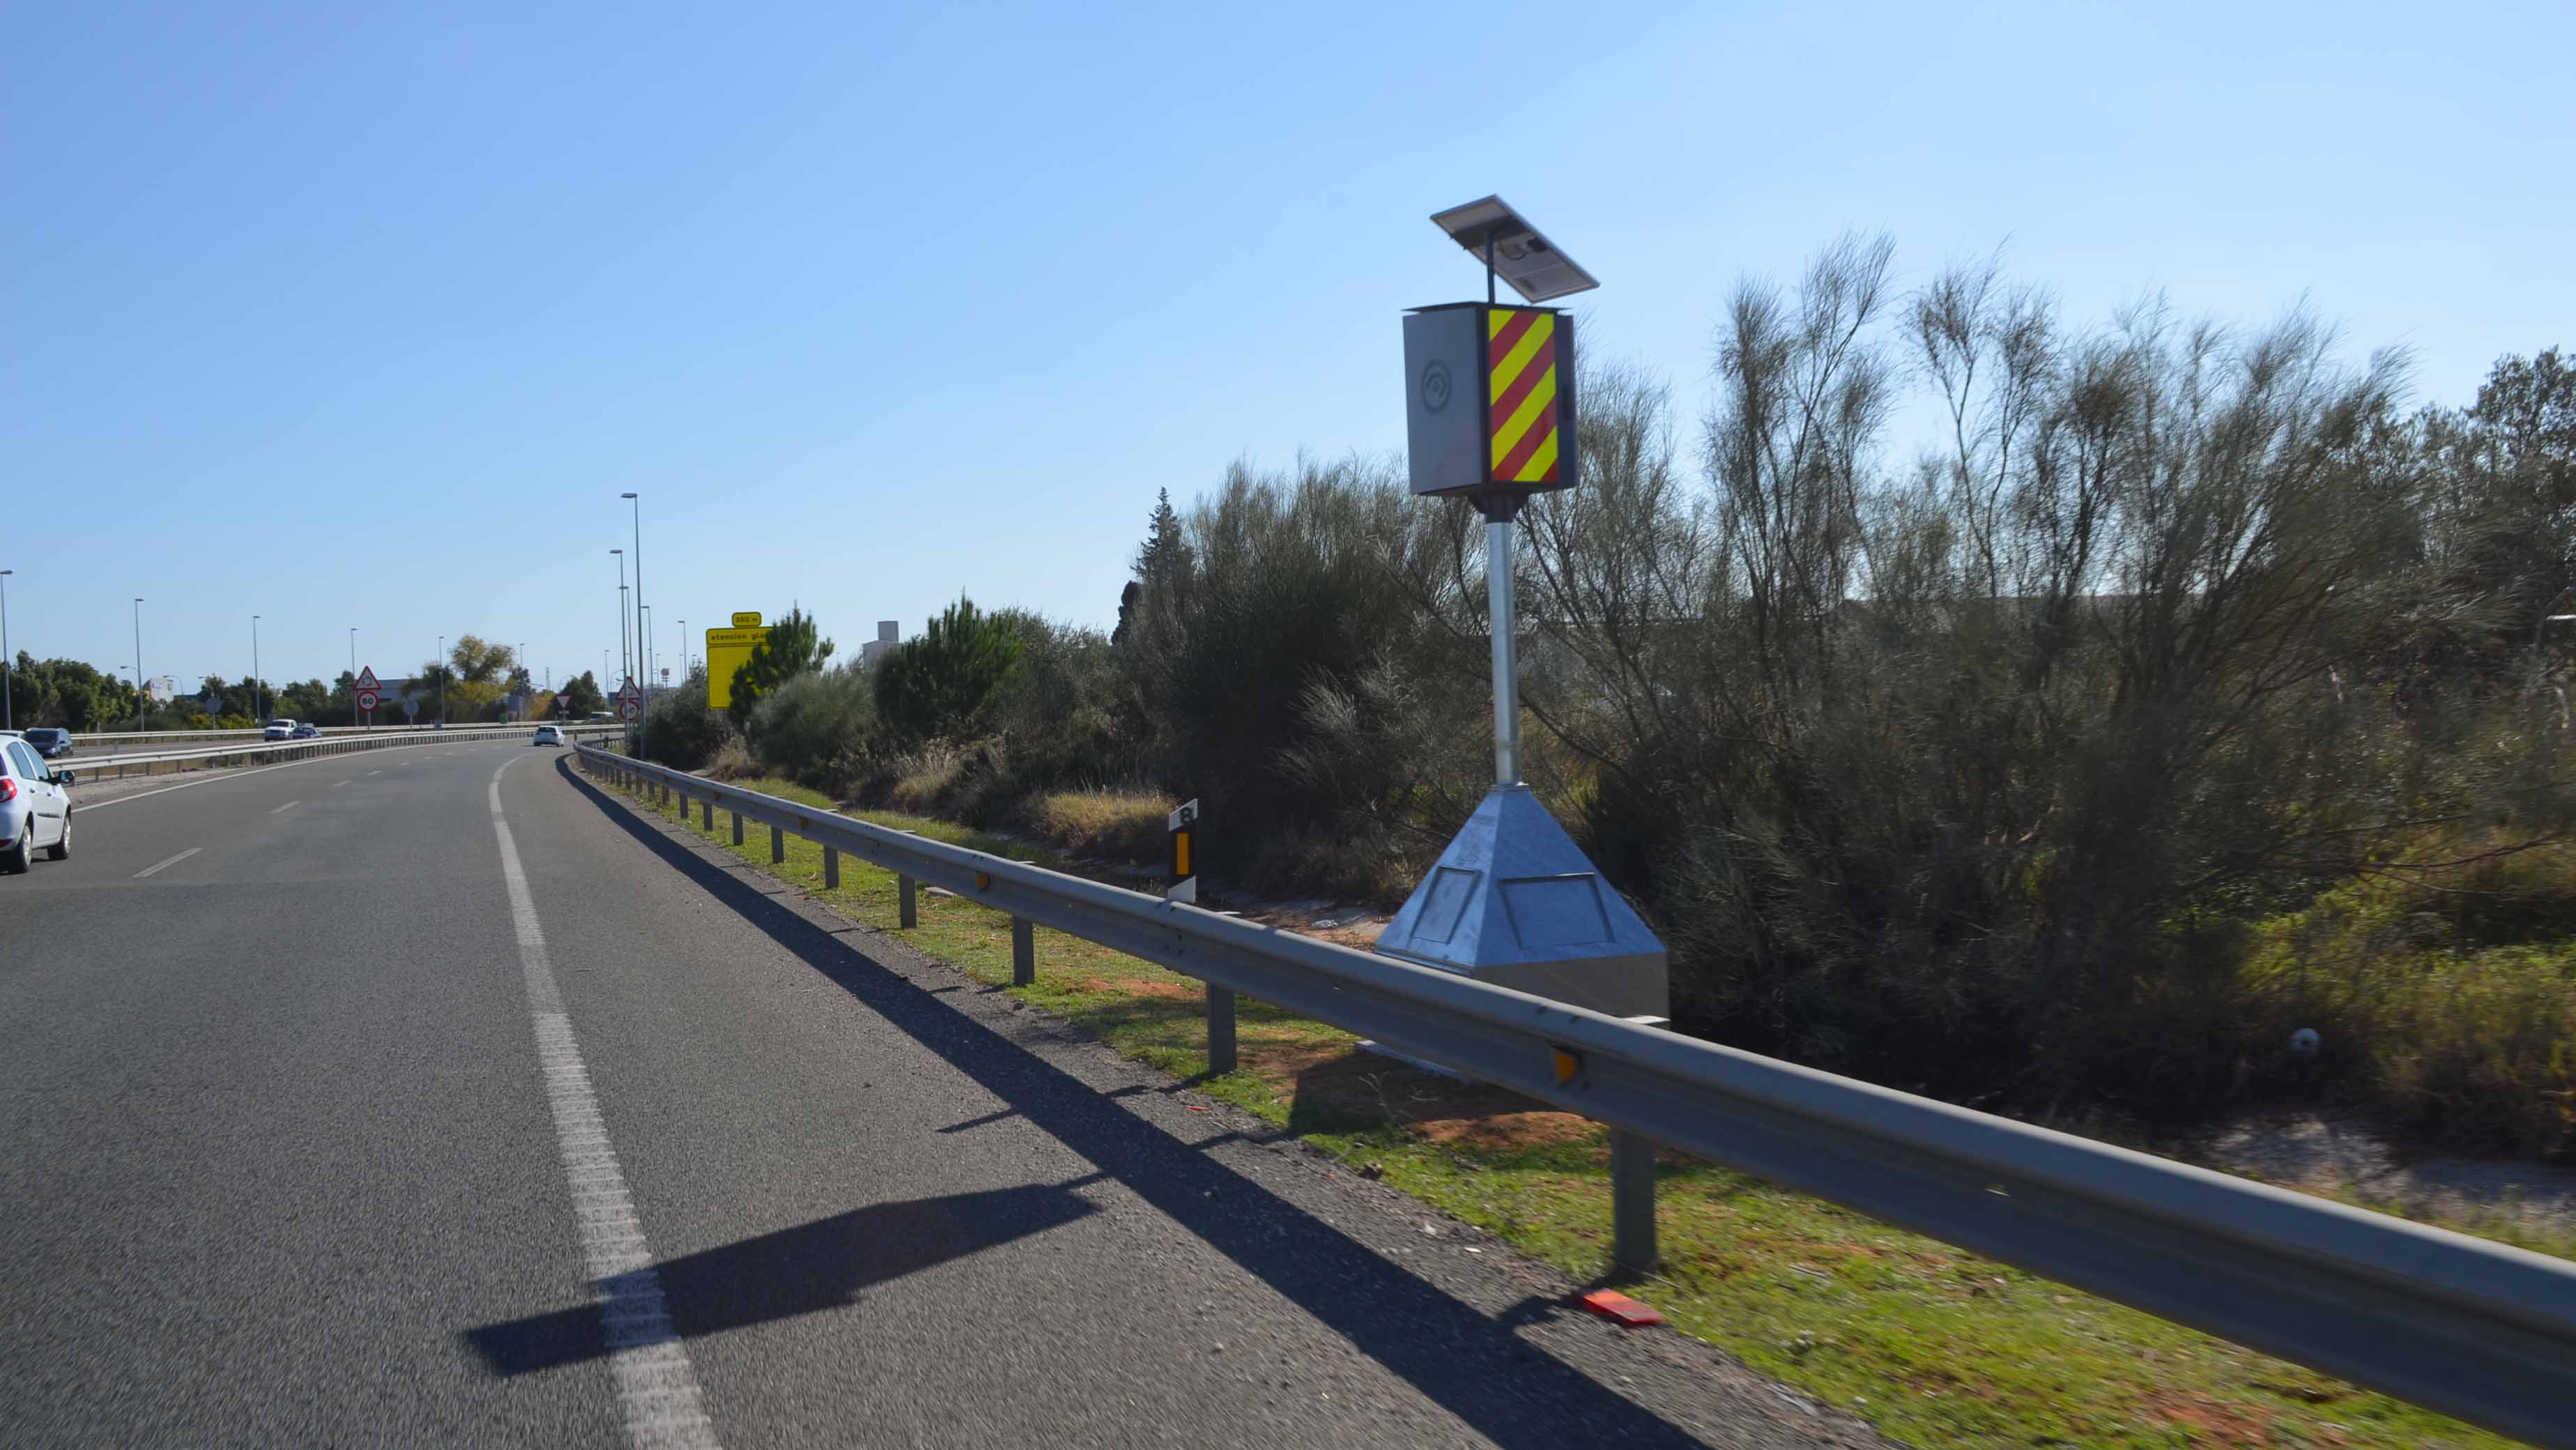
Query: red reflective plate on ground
point(1618, 1307)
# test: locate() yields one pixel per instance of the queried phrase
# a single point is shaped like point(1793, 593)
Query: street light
point(138, 664)
point(8, 707)
point(625, 666)
point(442, 682)
point(353, 677)
point(636, 511)
point(258, 702)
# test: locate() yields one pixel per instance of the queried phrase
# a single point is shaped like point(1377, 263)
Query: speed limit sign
point(367, 701)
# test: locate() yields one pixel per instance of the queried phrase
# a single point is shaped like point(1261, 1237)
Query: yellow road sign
point(727, 651)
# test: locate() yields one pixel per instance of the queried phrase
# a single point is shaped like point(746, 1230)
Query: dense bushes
point(2017, 770)
point(680, 731)
point(815, 728)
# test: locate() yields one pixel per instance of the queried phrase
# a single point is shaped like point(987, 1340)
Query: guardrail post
point(1220, 1013)
point(777, 845)
point(907, 912)
point(1632, 1202)
point(831, 868)
point(707, 814)
point(1024, 952)
point(737, 828)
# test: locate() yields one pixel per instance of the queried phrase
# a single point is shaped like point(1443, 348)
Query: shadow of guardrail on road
point(1475, 1366)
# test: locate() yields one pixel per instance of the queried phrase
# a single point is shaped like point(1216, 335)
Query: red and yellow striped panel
point(1520, 389)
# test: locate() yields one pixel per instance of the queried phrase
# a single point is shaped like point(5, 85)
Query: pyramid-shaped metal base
point(1514, 902)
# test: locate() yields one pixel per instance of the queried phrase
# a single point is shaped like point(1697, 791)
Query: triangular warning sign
point(367, 678)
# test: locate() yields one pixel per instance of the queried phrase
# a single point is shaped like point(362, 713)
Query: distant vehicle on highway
point(35, 807)
point(548, 735)
point(50, 742)
point(602, 717)
point(278, 729)
point(307, 732)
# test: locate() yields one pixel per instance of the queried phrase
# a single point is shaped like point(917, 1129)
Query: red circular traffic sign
point(367, 700)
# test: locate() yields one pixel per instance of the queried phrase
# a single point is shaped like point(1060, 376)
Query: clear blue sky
point(352, 314)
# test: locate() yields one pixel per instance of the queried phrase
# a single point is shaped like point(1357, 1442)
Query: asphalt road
point(324, 1126)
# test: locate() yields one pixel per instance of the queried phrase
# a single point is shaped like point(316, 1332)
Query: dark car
point(51, 743)
point(308, 732)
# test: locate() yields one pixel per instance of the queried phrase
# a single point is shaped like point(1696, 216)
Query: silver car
point(35, 807)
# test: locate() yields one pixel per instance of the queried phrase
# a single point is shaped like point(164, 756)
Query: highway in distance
point(435, 1096)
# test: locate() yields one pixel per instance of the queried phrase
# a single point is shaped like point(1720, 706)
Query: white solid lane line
point(163, 865)
point(290, 805)
point(656, 1388)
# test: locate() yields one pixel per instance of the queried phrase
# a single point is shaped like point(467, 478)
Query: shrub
point(817, 728)
point(935, 685)
point(680, 731)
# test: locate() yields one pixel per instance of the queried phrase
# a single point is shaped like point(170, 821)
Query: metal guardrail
point(93, 765)
point(122, 741)
point(2472, 1328)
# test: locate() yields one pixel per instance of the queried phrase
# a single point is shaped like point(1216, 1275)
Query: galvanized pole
point(442, 682)
point(623, 667)
point(353, 677)
point(642, 716)
point(1498, 613)
point(139, 695)
point(8, 707)
point(258, 701)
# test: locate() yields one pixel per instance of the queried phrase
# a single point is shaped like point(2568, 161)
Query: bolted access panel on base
point(1514, 902)
point(1489, 399)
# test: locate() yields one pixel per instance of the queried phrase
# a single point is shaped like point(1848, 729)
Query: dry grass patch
point(1117, 824)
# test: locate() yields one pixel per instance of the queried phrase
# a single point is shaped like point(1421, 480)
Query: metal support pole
point(1632, 1202)
point(737, 828)
point(1024, 952)
point(907, 911)
point(1505, 629)
point(777, 845)
point(831, 868)
point(1220, 1014)
point(707, 815)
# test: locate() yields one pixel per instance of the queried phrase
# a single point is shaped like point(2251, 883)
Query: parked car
point(548, 735)
point(35, 806)
point(278, 729)
point(307, 732)
point(51, 742)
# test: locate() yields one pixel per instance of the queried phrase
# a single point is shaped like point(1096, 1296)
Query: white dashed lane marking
point(657, 1390)
point(165, 865)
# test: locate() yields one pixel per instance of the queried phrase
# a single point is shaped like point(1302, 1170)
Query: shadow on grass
point(1473, 1365)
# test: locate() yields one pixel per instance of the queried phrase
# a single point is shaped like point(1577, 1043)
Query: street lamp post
point(625, 666)
point(636, 512)
point(684, 650)
point(8, 707)
point(353, 677)
point(138, 664)
point(442, 682)
point(258, 700)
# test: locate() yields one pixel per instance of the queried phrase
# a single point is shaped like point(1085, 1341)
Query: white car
point(548, 735)
point(35, 809)
point(279, 729)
